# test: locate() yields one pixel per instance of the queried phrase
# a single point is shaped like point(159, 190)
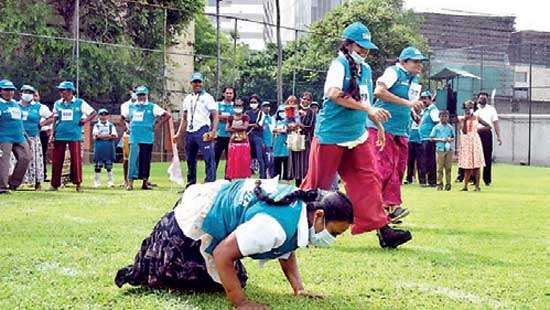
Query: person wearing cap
point(415, 148)
point(142, 117)
point(267, 137)
point(200, 121)
point(398, 91)
point(70, 114)
point(427, 175)
point(35, 116)
point(124, 141)
point(225, 110)
point(314, 106)
point(45, 133)
point(104, 133)
point(340, 139)
point(12, 139)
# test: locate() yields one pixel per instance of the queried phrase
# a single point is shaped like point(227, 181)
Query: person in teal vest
point(398, 91)
point(70, 114)
point(267, 136)
point(142, 117)
point(430, 118)
point(35, 116)
point(225, 110)
point(280, 147)
point(12, 139)
point(340, 138)
point(198, 246)
point(415, 148)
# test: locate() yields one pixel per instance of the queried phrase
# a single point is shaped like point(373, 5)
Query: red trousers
point(58, 156)
point(391, 165)
point(357, 168)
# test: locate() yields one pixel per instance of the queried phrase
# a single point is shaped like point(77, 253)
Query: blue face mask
point(321, 239)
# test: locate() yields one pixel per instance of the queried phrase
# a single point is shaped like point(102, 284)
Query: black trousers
point(486, 137)
point(281, 167)
point(415, 155)
point(428, 166)
point(221, 145)
point(44, 138)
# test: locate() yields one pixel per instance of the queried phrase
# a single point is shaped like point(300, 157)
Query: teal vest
point(142, 123)
point(398, 124)
point(234, 206)
point(11, 123)
point(267, 134)
point(426, 124)
point(280, 148)
point(337, 124)
point(67, 123)
point(31, 119)
point(224, 110)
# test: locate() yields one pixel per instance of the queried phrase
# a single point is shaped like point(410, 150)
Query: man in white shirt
point(200, 120)
point(488, 113)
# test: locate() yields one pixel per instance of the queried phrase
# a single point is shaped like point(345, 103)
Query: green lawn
point(469, 250)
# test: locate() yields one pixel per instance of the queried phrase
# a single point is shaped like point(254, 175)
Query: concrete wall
point(515, 139)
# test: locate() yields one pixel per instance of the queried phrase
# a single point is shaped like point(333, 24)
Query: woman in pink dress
point(470, 156)
point(238, 157)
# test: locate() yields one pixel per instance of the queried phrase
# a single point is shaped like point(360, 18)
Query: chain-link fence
point(519, 77)
point(106, 49)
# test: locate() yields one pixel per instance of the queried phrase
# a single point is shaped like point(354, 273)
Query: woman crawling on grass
point(198, 246)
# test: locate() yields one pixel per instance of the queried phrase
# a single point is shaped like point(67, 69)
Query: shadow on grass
point(275, 300)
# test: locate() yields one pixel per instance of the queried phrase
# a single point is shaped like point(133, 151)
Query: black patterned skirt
point(169, 259)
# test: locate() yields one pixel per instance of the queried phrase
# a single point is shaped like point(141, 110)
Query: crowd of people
point(365, 133)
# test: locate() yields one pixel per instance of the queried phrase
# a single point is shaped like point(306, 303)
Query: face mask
point(322, 239)
point(357, 58)
point(27, 97)
point(254, 106)
point(238, 110)
point(133, 96)
point(282, 115)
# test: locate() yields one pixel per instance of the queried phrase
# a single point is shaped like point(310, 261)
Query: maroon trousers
point(357, 168)
point(58, 156)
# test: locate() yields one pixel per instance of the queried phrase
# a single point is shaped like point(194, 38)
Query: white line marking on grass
point(431, 250)
point(454, 294)
point(55, 267)
point(77, 219)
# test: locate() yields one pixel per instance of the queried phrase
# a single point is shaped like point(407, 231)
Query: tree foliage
point(106, 72)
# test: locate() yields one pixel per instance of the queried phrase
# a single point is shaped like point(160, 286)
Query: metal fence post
point(530, 100)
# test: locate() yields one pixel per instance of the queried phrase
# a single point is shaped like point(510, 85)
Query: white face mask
point(238, 110)
point(322, 239)
point(357, 58)
point(133, 96)
point(27, 97)
point(254, 106)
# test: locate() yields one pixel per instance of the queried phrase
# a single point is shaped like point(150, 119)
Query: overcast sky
point(530, 14)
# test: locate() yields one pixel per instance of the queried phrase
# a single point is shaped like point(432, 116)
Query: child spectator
point(104, 133)
point(443, 134)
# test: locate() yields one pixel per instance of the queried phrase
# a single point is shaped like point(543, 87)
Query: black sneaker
point(390, 238)
point(397, 214)
point(448, 187)
point(440, 187)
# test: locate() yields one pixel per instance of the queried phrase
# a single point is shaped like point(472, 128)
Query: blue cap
point(66, 85)
point(5, 84)
point(265, 103)
point(141, 90)
point(315, 103)
point(197, 76)
point(103, 111)
point(28, 87)
point(411, 53)
point(426, 93)
point(360, 34)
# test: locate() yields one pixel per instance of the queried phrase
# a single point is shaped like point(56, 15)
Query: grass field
point(469, 250)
